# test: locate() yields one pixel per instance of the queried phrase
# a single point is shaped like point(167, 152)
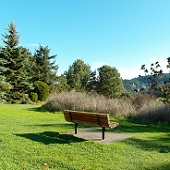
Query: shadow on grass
point(57, 125)
point(49, 137)
point(68, 126)
point(154, 137)
point(132, 127)
point(161, 167)
point(160, 143)
point(40, 109)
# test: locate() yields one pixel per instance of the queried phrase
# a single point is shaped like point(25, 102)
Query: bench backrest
point(94, 119)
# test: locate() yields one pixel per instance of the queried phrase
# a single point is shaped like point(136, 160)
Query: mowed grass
point(30, 136)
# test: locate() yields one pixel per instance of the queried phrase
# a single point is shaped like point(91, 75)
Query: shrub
point(149, 108)
point(156, 113)
point(88, 102)
point(140, 107)
point(19, 98)
point(34, 96)
point(42, 89)
point(142, 101)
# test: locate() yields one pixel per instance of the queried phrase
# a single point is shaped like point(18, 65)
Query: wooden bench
point(92, 119)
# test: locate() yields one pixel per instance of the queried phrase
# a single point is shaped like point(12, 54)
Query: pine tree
point(92, 83)
point(4, 89)
point(46, 69)
point(4, 85)
point(15, 62)
point(61, 84)
point(78, 75)
point(109, 82)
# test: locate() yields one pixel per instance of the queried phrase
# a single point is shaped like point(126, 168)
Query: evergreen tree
point(92, 84)
point(46, 69)
point(61, 84)
point(109, 83)
point(78, 75)
point(15, 59)
point(4, 89)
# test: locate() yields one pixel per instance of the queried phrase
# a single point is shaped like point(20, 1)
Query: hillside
point(141, 83)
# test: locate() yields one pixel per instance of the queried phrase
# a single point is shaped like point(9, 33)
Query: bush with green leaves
point(34, 97)
point(42, 89)
point(18, 98)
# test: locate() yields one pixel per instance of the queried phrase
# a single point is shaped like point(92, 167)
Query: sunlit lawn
point(30, 137)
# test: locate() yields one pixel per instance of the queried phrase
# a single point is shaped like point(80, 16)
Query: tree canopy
point(45, 68)
point(109, 82)
point(78, 75)
point(158, 83)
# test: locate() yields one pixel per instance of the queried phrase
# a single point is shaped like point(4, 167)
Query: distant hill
point(141, 82)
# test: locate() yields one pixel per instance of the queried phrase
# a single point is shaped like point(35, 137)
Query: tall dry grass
point(156, 113)
point(88, 102)
point(141, 107)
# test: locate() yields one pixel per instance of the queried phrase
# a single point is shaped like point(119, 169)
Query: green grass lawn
point(30, 137)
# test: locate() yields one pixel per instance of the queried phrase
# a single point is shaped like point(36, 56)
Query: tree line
point(105, 81)
point(25, 76)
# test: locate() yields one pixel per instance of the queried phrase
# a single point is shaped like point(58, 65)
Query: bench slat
point(95, 119)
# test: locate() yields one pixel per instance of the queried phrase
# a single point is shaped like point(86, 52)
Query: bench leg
point(103, 133)
point(76, 128)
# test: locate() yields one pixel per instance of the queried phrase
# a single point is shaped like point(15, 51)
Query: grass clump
point(159, 113)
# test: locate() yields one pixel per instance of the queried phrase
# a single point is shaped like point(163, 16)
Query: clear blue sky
point(121, 33)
